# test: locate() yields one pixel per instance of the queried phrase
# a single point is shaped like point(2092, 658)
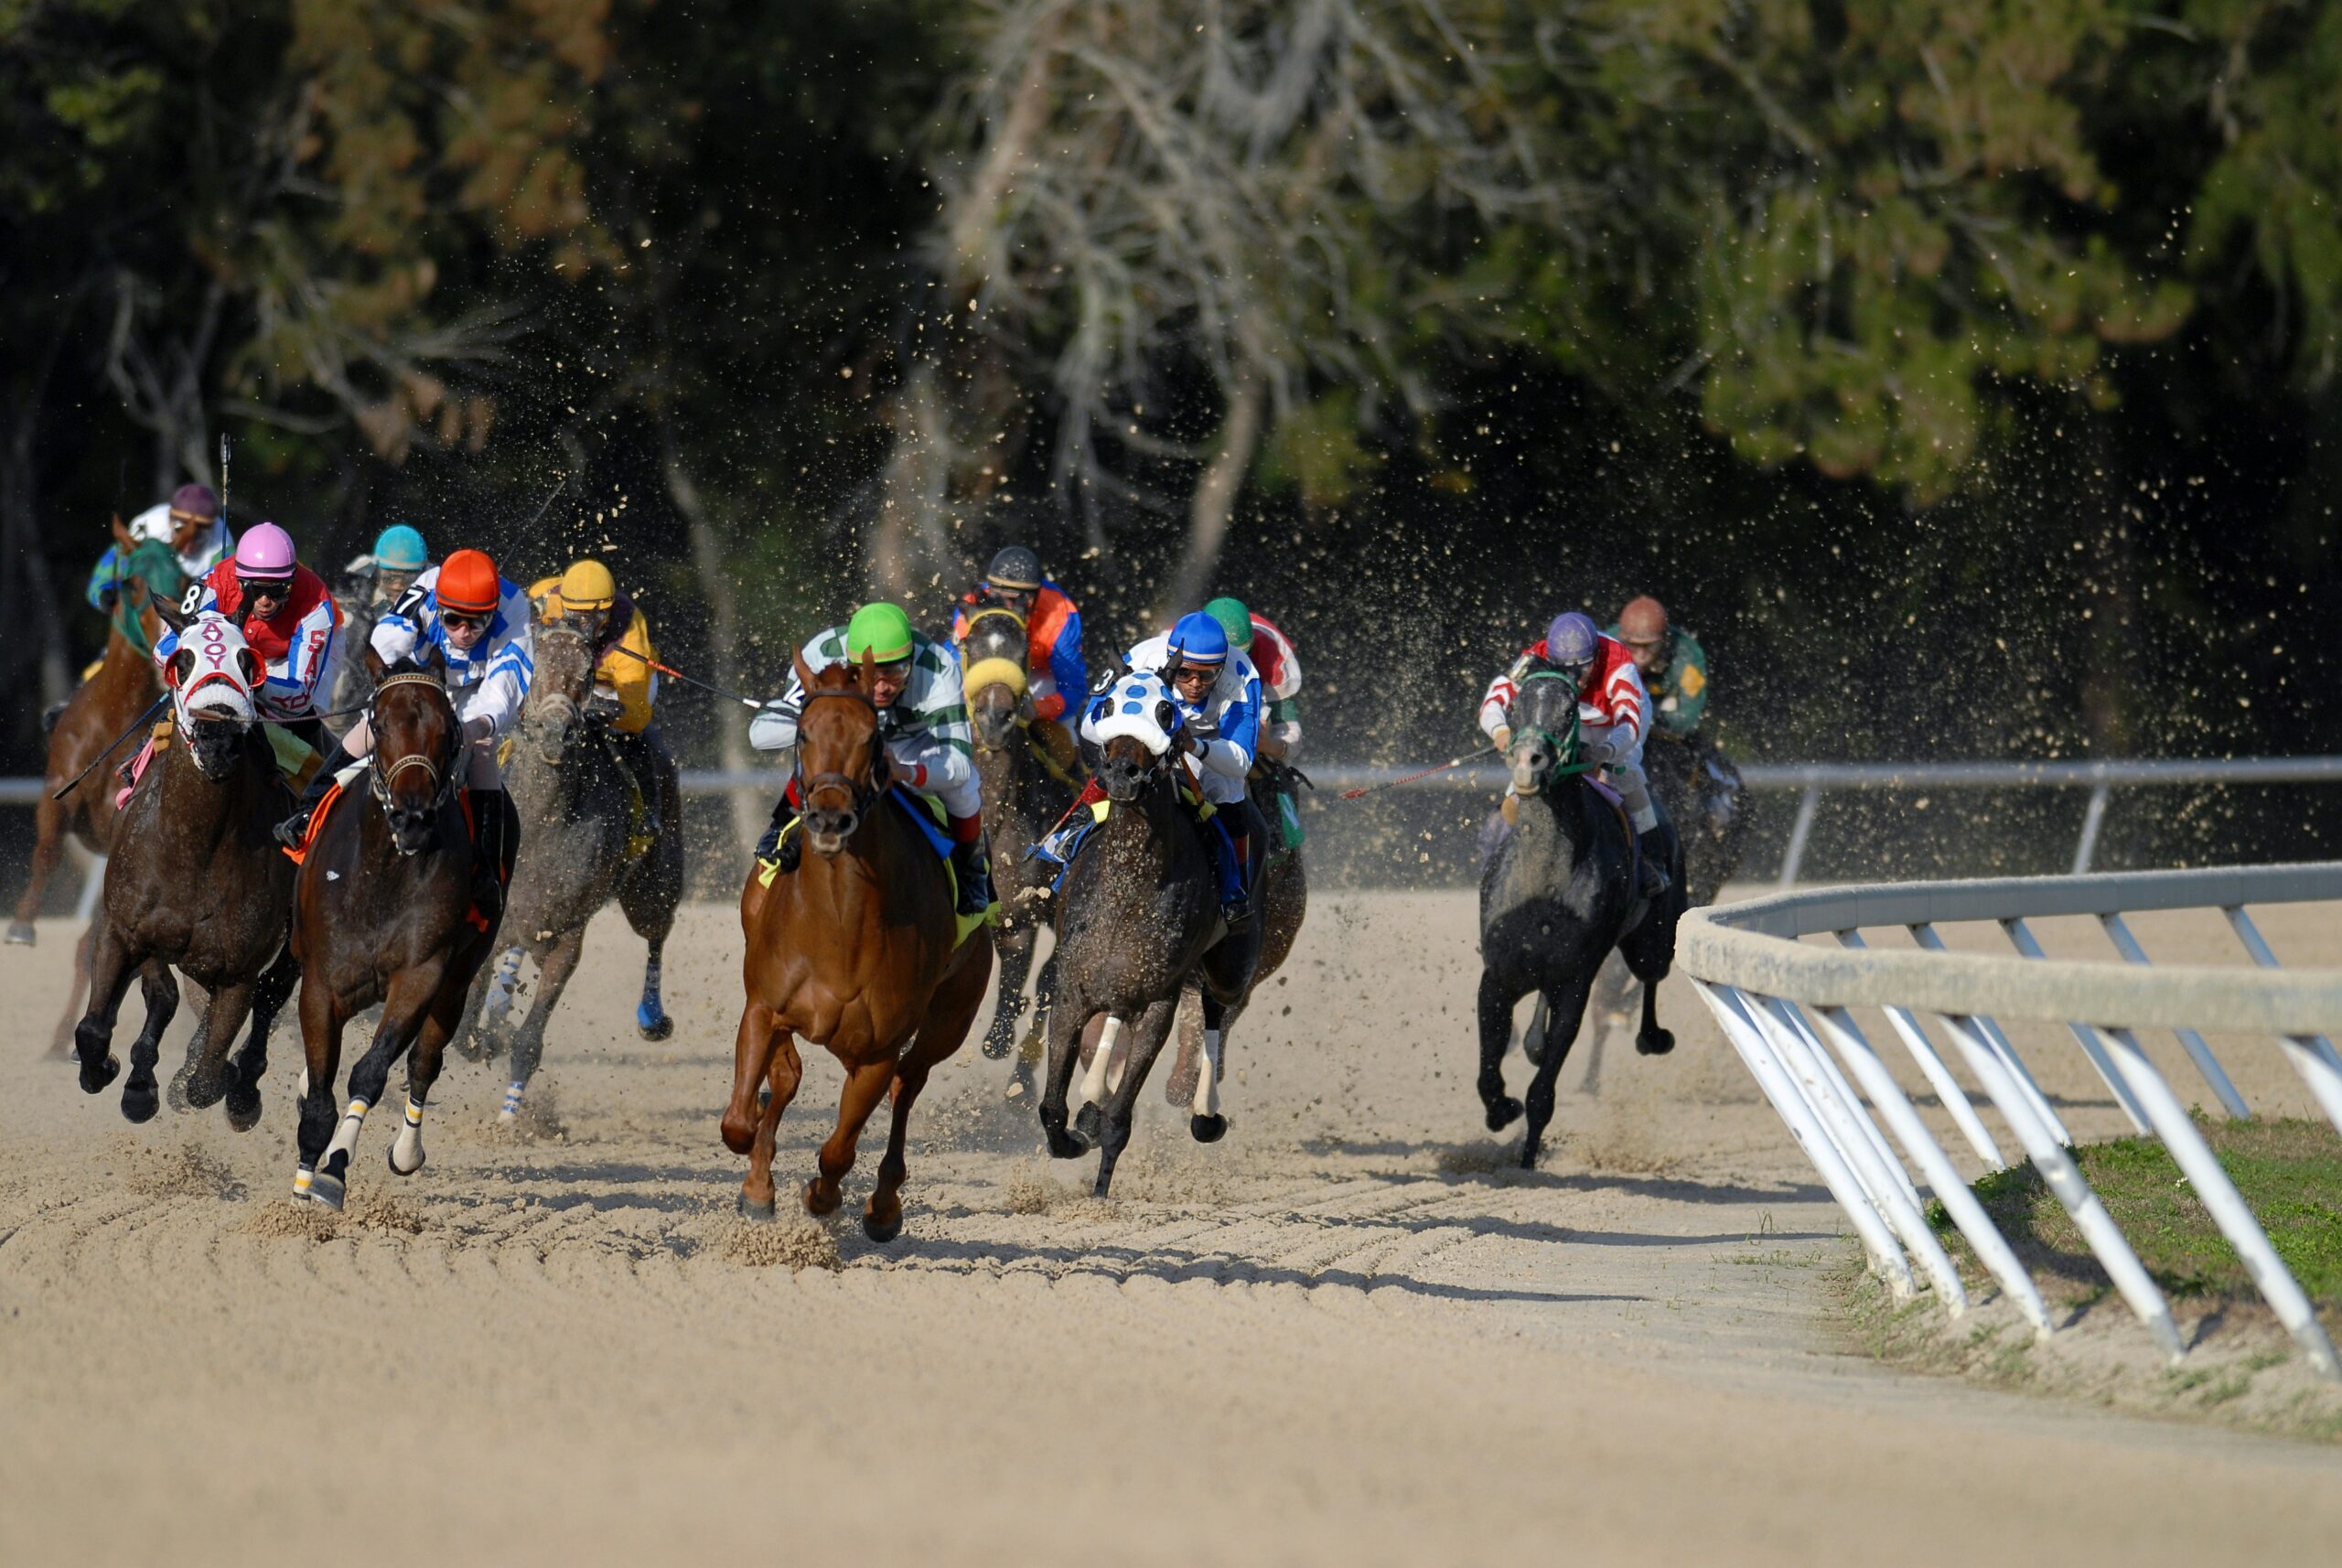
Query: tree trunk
point(30, 602)
point(722, 639)
point(1215, 491)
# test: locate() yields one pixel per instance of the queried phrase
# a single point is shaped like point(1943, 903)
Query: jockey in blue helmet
point(1614, 715)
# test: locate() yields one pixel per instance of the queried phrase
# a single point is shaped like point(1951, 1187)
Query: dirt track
point(1346, 1334)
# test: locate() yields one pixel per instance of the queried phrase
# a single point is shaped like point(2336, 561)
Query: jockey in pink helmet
point(287, 618)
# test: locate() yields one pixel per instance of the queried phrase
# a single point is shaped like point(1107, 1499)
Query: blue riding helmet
point(1571, 642)
point(1199, 640)
point(399, 548)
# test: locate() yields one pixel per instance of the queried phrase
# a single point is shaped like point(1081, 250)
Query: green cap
point(881, 631)
point(1234, 619)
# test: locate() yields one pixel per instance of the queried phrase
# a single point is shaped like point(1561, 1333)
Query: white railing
point(1783, 1005)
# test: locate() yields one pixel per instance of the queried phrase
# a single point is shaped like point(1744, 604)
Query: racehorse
point(124, 685)
point(1020, 797)
point(197, 881)
point(1558, 892)
point(1283, 902)
point(1138, 917)
point(578, 816)
point(383, 913)
point(1700, 791)
point(857, 949)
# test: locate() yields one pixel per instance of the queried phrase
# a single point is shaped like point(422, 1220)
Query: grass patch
point(2288, 1173)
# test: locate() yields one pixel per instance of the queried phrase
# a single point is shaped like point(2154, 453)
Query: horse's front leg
point(111, 969)
point(77, 992)
point(251, 1063)
point(1121, 1105)
point(411, 994)
point(1013, 945)
point(865, 1086)
point(206, 1066)
point(1569, 1011)
point(950, 1015)
point(322, 1022)
point(781, 1078)
point(752, 1049)
point(141, 1098)
point(448, 1011)
point(554, 971)
point(1495, 1032)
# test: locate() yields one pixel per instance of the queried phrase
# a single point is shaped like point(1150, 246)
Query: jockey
point(288, 621)
point(915, 686)
point(1218, 693)
point(382, 574)
point(1053, 642)
point(626, 687)
point(479, 625)
point(1274, 659)
point(1672, 664)
point(1613, 712)
point(190, 522)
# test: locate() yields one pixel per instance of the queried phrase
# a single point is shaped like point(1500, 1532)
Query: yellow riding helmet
point(588, 585)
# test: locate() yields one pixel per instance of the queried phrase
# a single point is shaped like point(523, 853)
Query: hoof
point(22, 935)
point(174, 1092)
point(1529, 1157)
point(199, 1093)
point(749, 1209)
point(1087, 1123)
point(653, 1027)
point(472, 1046)
point(883, 1231)
point(140, 1101)
point(390, 1155)
point(813, 1204)
point(996, 1047)
point(244, 1108)
point(1208, 1129)
point(328, 1190)
point(1064, 1146)
point(1658, 1043)
point(94, 1079)
point(1503, 1111)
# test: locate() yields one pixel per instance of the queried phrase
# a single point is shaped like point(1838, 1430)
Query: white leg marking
point(304, 1094)
point(1093, 1083)
point(1207, 1102)
point(345, 1137)
point(406, 1154)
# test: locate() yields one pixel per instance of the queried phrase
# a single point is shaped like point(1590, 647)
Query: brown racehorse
point(856, 949)
point(124, 685)
point(382, 912)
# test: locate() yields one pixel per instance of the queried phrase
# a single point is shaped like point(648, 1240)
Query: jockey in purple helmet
point(1613, 714)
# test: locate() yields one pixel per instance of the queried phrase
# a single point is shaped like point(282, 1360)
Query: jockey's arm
point(398, 631)
point(631, 676)
point(294, 694)
point(1496, 702)
point(775, 726)
point(496, 699)
point(1230, 751)
point(1067, 676)
point(940, 759)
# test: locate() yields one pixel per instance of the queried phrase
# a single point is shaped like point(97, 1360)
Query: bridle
point(381, 776)
point(558, 708)
point(1565, 745)
point(861, 796)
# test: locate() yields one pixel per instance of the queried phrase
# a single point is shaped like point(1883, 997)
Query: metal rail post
point(1799, 830)
point(2311, 1055)
point(2021, 937)
point(2092, 819)
point(1927, 937)
point(1947, 1091)
point(2189, 1040)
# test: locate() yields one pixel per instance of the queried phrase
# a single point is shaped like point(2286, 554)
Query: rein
point(1565, 745)
point(863, 796)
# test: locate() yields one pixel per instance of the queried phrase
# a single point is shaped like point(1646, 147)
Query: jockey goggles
point(277, 589)
point(468, 620)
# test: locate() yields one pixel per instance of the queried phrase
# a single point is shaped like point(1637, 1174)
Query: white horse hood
point(211, 674)
point(1138, 705)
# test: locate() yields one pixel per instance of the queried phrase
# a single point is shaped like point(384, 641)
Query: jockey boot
point(1654, 863)
point(488, 852)
point(1237, 909)
point(631, 750)
point(294, 827)
point(779, 846)
point(973, 864)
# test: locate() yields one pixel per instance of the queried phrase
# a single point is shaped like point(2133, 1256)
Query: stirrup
point(293, 828)
point(1238, 913)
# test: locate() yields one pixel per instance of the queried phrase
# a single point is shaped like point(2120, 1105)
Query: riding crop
point(1410, 778)
point(160, 703)
point(669, 670)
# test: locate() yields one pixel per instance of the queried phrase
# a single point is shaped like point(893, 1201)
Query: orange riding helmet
point(469, 584)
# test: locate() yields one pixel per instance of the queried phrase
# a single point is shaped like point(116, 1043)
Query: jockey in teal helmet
point(381, 576)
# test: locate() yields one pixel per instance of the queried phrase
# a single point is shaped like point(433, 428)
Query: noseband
point(380, 776)
point(863, 796)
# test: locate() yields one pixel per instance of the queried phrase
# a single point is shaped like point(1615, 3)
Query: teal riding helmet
point(399, 548)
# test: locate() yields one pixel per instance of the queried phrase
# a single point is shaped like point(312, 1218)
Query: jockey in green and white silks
point(923, 720)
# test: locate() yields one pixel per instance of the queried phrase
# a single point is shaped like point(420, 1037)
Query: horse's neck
point(1560, 818)
point(187, 796)
point(1150, 829)
point(124, 668)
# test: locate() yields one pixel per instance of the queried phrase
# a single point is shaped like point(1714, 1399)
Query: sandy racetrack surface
point(1348, 1334)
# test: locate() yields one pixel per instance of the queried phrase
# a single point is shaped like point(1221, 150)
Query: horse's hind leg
point(1121, 1106)
point(140, 1096)
point(529, 1041)
point(1032, 1050)
point(648, 895)
point(950, 1015)
point(77, 992)
point(1014, 947)
point(1066, 1024)
point(1650, 953)
point(1205, 1122)
point(1569, 1012)
point(49, 823)
point(322, 1022)
point(866, 1085)
point(269, 997)
point(207, 1064)
point(1496, 1033)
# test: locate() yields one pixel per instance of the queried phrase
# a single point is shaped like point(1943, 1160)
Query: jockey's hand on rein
point(602, 703)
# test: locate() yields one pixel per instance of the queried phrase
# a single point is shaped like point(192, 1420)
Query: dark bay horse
point(577, 818)
point(1021, 800)
point(383, 914)
point(857, 949)
point(1138, 916)
point(1557, 895)
point(1284, 904)
point(196, 881)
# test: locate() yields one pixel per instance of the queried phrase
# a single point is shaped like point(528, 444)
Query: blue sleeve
point(102, 580)
point(1242, 721)
point(1065, 661)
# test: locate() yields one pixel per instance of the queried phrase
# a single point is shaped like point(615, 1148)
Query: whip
point(1410, 778)
point(135, 724)
point(669, 670)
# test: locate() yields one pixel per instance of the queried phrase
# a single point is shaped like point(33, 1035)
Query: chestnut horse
point(383, 913)
point(857, 949)
point(197, 881)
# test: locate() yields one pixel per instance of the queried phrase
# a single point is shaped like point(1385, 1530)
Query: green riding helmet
point(1234, 619)
point(882, 630)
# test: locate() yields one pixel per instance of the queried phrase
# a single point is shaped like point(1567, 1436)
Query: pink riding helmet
point(264, 552)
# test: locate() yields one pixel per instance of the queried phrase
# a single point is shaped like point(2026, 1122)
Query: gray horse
point(577, 816)
point(1557, 895)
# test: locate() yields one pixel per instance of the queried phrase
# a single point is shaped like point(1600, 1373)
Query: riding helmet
point(1643, 620)
point(1572, 641)
point(1014, 568)
point(265, 553)
point(195, 503)
point(1199, 640)
point(399, 548)
point(882, 630)
point(587, 585)
point(1234, 619)
point(469, 583)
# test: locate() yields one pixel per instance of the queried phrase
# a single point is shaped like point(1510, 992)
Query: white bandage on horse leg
point(511, 1109)
point(1093, 1083)
point(303, 1176)
point(406, 1154)
point(1207, 1102)
point(345, 1137)
point(500, 984)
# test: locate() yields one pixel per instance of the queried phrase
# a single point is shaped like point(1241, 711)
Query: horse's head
point(211, 679)
point(841, 756)
point(992, 658)
point(1544, 717)
point(558, 689)
point(418, 742)
point(1134, 721)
